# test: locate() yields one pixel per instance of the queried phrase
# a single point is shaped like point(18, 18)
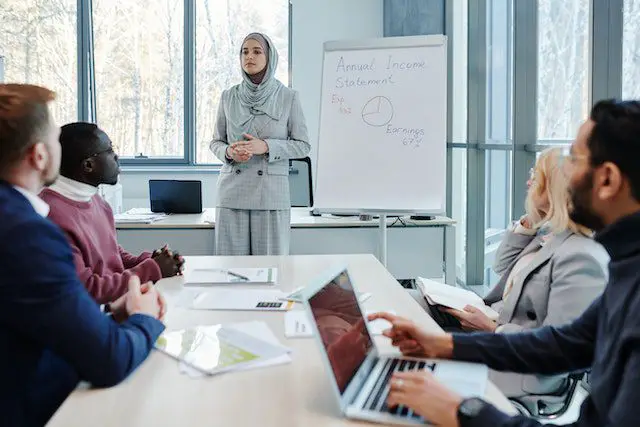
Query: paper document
point(298, 325)
point(236, 299)
point(256, 329)
point(453, 297)
point(138, 218)
point(228, 276)
point(216, 349)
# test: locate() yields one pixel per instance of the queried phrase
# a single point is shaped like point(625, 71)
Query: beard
point(581, 211)
point(51, 172)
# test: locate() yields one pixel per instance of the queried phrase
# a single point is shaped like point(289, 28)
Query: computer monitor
point(175, 196)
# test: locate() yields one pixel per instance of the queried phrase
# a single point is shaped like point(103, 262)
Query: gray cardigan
point(262, 183)
point(561, 281)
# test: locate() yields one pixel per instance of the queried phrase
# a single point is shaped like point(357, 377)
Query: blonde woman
point(551, 270)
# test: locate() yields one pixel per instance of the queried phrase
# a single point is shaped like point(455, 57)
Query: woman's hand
point(426, 396)
point(472, 319)
point(238, 153)
point(252, 145)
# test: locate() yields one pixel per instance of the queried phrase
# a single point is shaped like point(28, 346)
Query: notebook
point(222, 276)
point(452, 297)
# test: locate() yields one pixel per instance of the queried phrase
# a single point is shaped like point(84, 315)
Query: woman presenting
point(259, 127)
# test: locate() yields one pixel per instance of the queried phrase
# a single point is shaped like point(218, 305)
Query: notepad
point(215, 349)
point(230, 276)
point(452, 297)
point(239, 299)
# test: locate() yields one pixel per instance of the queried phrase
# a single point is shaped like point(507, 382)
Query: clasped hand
point(242, 151)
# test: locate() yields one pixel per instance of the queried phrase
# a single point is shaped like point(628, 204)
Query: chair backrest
point(300, 182)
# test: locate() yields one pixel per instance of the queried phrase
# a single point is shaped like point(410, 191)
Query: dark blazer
point(52, 333)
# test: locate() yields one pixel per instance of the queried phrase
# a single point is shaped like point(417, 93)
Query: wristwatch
point(469, 409)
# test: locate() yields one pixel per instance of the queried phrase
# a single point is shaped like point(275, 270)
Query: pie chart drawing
point(378, 111)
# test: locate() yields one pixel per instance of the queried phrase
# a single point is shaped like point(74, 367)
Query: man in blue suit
point(52, 333)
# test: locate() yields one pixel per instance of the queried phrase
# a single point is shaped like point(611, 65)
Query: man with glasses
point(88, 160)
point(604, 183)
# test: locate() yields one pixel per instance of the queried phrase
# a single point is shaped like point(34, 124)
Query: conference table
point(294, 394)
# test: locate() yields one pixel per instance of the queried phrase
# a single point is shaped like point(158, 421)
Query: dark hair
point(78, 141)
point(615, 138)
point(24, 120)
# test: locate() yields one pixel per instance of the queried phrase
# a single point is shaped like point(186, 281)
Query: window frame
point(87, 86)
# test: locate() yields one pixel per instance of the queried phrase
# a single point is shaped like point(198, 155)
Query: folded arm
point(219, 143)
point(50, 307)
point(109, 286)
point(576, 281)
point(297, 145)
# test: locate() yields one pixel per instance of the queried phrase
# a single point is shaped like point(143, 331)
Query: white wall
point(313, 23)
point(317, 21)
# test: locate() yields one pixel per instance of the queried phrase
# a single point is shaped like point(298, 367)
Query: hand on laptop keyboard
point(421, 392)
point(412, 341)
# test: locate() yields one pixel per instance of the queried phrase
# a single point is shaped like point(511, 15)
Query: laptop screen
point(342, 328)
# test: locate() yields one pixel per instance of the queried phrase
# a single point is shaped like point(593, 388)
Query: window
point(563, 68)
point(139, 75)
point(499, 71)
point(39, 43)
point(220, 29)
point(631, 50)
point(498, 163)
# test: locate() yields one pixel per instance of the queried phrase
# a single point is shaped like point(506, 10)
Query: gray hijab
point(249, 99)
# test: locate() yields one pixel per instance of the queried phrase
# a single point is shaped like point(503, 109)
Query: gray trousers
point(252, 232)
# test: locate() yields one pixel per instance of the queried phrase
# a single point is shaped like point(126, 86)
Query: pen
point(239, 276)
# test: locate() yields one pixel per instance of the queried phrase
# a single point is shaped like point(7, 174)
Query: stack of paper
point(216, 349)
point(228, 276)
point(452, 297)
point(138, 217)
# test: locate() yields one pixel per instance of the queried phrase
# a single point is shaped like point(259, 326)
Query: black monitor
point(174, 196)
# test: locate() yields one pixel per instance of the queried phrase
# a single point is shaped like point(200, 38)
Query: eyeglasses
point(572, 157)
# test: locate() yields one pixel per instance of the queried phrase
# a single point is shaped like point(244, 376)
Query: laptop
point(358, 373)
point(177, 197)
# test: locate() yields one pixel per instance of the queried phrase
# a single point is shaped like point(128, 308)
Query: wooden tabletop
point(295, 394)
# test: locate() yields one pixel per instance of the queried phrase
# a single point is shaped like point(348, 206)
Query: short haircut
point(78, 141)
point(615, 138)
point(24, 121)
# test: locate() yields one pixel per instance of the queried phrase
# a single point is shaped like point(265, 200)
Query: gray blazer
point(562, 280)
point(262, 183)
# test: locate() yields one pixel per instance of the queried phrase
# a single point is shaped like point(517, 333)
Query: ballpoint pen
point(239, 276)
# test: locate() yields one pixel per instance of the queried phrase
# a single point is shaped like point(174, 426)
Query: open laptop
point(358, 373)
point(173, 196)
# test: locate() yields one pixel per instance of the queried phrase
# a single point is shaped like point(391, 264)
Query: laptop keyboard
point(377, 400)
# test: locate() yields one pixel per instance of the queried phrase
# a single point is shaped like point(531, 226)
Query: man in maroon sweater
point(88, 160)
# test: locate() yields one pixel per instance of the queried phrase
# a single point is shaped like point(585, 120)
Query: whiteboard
point(383, 125)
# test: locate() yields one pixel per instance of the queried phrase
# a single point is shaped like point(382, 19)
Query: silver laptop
point(359, 374)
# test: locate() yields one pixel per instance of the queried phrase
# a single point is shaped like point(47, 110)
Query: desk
point(415, 248)
point(296, 394)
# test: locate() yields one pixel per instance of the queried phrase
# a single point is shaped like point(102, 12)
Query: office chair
point(296, 174)
point(551, 406)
